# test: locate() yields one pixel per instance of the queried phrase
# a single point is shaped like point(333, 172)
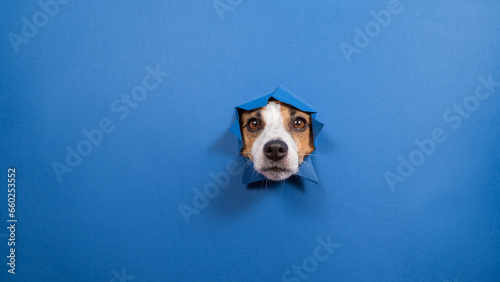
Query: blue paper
point(306, 169)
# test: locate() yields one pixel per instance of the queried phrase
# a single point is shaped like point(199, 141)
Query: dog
point(276, 138)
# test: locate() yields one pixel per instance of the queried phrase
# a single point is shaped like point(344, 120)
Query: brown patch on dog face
point(248, 134)
point(299, 125)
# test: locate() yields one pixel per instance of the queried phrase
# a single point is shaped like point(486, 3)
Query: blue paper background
point(116, 215)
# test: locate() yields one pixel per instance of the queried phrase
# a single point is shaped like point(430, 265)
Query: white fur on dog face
point(275, 130)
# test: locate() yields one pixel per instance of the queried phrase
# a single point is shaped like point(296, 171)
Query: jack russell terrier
point(276, 138)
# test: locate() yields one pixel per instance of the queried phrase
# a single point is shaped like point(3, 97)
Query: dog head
point(276, 138)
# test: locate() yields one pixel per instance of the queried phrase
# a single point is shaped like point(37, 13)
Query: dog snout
point(275, 150)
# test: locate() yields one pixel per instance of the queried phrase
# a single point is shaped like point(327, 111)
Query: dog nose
point(275, 150)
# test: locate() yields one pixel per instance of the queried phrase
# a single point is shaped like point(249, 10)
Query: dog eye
point(253, 124)
point(299, 123)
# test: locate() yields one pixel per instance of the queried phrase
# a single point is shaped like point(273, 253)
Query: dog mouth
point(276, 169)
point(276, 172)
